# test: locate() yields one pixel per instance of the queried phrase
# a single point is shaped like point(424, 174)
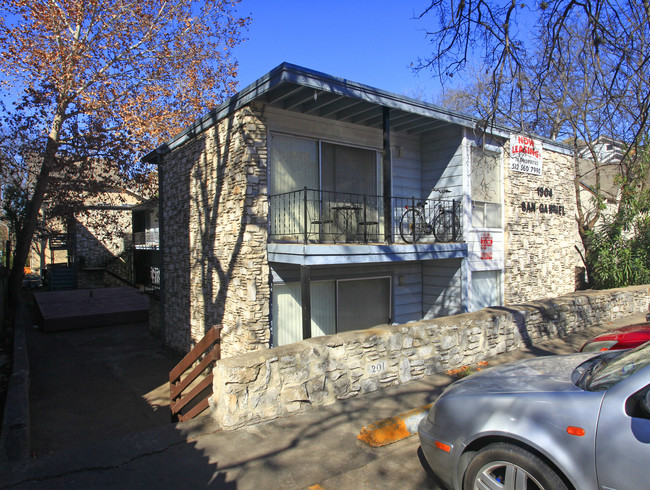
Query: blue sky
point(370, 42)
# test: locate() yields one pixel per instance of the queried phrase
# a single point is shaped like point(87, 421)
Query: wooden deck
point(87, 308)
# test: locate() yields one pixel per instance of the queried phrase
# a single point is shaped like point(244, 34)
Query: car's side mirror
point(638, 405)
point(645, 403)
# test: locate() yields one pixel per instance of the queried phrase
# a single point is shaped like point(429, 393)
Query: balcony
point(311, 216)
point(147, 239)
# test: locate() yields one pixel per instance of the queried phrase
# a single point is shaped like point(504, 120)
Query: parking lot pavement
point(317, 449)
point(95, 384)
point(397, 466)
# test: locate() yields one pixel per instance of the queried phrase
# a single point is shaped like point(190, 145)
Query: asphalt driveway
point(100, 420)
point(94, 384)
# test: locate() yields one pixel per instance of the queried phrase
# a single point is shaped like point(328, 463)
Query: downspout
point(388, 178)
point(161, 247)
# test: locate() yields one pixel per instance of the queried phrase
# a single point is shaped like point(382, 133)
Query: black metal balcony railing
point(314, 216)
point(146, 239)
point(60, 241)
point(153, 283)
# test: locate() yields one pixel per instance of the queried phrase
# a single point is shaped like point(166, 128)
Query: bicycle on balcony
point(444, 225)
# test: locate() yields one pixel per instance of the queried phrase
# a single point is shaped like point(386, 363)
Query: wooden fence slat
point(179, 386)
point(177, 401)
point(188, 397)
point(195, 353)
point(197, 409)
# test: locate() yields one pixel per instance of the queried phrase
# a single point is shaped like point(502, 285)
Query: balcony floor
point(301, 254)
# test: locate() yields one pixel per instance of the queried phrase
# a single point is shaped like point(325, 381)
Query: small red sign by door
point(486, 246)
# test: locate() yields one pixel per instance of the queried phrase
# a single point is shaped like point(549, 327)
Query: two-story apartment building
point(307, 205)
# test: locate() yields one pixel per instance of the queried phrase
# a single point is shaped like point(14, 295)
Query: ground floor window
point(336, 306)
point(485, 289)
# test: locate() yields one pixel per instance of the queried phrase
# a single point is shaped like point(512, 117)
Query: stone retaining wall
point(263, 385)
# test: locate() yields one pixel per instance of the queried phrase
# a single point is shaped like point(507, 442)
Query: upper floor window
point(487, 188)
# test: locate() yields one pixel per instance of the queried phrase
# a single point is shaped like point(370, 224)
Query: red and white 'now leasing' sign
point(525, 155)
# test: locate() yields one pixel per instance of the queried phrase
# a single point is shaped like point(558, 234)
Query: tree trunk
point(26, 234)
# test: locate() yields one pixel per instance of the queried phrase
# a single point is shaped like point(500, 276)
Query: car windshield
point(604, 371)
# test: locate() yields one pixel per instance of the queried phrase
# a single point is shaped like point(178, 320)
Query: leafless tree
point(567, 70)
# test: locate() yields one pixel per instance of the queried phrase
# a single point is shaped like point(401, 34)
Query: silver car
point(578, 421)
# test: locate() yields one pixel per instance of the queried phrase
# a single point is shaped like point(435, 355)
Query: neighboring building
point(282, 214)
point(95, 238)
point(597, 173)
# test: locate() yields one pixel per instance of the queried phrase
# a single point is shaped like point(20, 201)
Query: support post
point(304, 215)
point(161, 247)
point(305, 296)
point(388, 180)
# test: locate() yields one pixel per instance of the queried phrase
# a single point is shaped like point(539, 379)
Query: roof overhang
point(306, 91)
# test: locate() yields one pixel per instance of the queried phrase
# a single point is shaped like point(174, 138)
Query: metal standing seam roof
point(300, 89)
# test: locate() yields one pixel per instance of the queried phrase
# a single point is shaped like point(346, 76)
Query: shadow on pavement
point(100, 420)
point(96, 383)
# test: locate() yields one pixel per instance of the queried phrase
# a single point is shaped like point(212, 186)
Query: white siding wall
point(442, 162)
point(442, 167)
point(406, 155)
point(442, 281)
point(407, 292)
point(477, 261)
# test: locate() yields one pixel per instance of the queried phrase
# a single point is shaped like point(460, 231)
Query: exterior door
point(623, 436)
point(294, 166)
point(485, 289)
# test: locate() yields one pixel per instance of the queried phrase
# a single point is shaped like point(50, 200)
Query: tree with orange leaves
point(101, 80)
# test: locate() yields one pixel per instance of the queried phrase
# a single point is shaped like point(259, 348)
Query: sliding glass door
point(336, 306)
point(339, 175)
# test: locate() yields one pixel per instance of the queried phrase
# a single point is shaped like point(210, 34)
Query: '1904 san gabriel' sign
point(525, 155)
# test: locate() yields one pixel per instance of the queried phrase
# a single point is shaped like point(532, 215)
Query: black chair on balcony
point(367, 224)
point(320, 221)
point(319, 226)
point(368, 220)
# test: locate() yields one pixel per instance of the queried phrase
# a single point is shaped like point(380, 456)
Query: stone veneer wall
point(540, 253)
point(155, 322)
point(101, 235)
point(215, 214)
point(297, 377)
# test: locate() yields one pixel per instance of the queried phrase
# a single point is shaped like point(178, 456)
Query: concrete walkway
point(94, 438)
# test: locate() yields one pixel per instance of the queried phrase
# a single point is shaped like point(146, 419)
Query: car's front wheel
point(507, 466)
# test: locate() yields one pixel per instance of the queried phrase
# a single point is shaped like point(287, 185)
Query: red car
point(621, 338)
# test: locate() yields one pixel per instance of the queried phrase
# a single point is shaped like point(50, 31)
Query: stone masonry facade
point(215, 215)
point(305, 375)
point(101, 235)
point(540, 233)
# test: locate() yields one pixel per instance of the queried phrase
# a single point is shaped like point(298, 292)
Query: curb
point(15, 434)
point(393, 429)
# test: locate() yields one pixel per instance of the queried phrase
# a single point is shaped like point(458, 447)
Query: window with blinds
point(336, 306)
point(487, 188)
